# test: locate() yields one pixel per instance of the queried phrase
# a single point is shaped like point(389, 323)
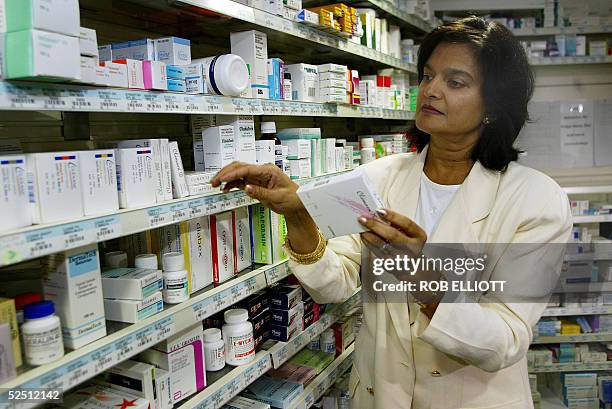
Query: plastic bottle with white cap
point(226, 74)
point(146, 261)
point(238, 337)
point(116, 259)
point(176, 287)
point(368, 153)
point(214, 349)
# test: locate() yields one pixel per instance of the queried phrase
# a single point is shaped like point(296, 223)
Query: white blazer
point(470, 355)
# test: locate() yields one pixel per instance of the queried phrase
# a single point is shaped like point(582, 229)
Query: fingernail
point(362, 220)
point(381, 212)
point(249, 189)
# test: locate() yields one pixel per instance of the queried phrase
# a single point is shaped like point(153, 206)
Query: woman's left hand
point(398, 236)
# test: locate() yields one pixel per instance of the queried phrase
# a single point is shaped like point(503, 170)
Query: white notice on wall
point(577, 133)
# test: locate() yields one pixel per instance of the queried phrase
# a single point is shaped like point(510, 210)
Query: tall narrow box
point(135, 177)
point(156, 151)
point(74, 285)
point(200, 253)
point(134, 71)
point(154, 75)
point(88, 42)
point(242, 238)
point(43, 15)
point(304, 82)
point(14, 192)
point(222, 240)
point(252, 46)
point(219, 147)
point(269, 232)
point(8, 314)
point(98, 181)
point(244, 138)
point(54, 186)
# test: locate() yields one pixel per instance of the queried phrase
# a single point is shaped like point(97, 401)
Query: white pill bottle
point(176, 281)
point(42, 333)
point(368, 153)
point(238, 337)
point(214, 349)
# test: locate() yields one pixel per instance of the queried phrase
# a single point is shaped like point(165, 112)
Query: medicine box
point(183, 356)
point(195, 79)
point(252, 46)
point(132, 311)
point(332, 76)
point(300, 168)
point(340, 84)
point(176, 85)
point(88, 42)
point(161, 179)
point(219, 147)
point(277, 393)
point(579, 392)
point(304, 82)
point(287, 317)
point(331, 67)
point(102, 76)
point(43, 15)
point(200, 253)
point(136, 181)
point(269, 230)
point(8, 314)
point(341, 92)
point(98, 176)
point(103, 397)
point(142, 50)
point(121, 50)
point(173, 50)
point(88, 70)
point(222, 239)
point(105, 52)
point(264, 151)
point(240, 402)
point(54, 186)
point(195, 190)
point(244, 137)
point(7, 366)
point(134, 72)
point(294, 373)
point(179, 186)
point(198, 178)
point(241, 223)
point(261, 322)
point(255, 304)
point(73, 284)
point(299, 133)
point(117, 74)
point(578, 379)
point(163, 387)
point(133, 377)
point(176, 72)
point(14, 192)
point(37, 54)
point(298, 148)
point(285, 297)
point(337, 202)
point(154, 75)
point(131, 283)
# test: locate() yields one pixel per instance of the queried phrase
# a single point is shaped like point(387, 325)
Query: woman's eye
point(455, 84)
point(427, 77)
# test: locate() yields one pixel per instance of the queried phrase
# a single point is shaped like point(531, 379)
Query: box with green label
point(269, 231)
point(57, 16)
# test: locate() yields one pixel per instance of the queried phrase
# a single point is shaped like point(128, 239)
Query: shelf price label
point(163, 328)
point(195, 208)
point(102, 359)
point(309, 400)
point(159, 216)
point(179, 211)
point(107, 227)
point(212, 105)
point(171, 102)
point(135, 101)
point(21, 96)
point(111, 100)
point(192, 103)
point(76, 234)
point(212, 206)
point(52, 99)
point(124, 348)
point(80, 100)
point(77, 371)
point(203, 309)
point(42, 242)
point(280, 356)
point(144, 337)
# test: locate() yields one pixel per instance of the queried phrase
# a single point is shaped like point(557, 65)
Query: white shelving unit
point(563, 311)
point(594, 337)
point(588, 256)
point(600, 218)
point(572, 367)
point(584, 288)
point(587, 190)
point(570, 60)
point(549, 31)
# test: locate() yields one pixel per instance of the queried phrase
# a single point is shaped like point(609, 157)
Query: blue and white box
point(173, 50)
point(143, 49)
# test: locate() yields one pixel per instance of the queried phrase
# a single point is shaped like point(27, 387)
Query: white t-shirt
point(433, 201)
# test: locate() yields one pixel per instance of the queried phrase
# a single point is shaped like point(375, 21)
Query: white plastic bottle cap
point(173, 261)
point(146, 261)
point(236, 316)
point(229, 73)
point(367, 142)
point(116, 259)
point(268, 127)
point(212, 335)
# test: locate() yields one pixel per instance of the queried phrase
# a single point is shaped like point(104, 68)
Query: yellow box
point(9, 314)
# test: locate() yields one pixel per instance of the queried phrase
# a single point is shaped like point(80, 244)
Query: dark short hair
point(507, 84)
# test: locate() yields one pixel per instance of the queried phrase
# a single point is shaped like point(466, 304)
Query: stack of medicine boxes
point(257, 306)
point(287, 312)
point(333, 83)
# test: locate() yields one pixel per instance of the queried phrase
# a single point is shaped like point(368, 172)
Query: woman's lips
point(428, 109)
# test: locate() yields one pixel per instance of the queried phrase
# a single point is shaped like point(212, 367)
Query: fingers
point(218, 178)
point(409, 227)
point(239, 170)
point(386, 232)
point(258, 192)
point(234, 184)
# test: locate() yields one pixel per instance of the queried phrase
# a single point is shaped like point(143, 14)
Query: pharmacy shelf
point(37, 96)
point(548, 31)
point(409, 19)
point(595, 256)
point(82, 364)
point(600, 218)
point(587, 190)
point(40, 240)
point(557, 339)
point(550, 400)
point(231, 384)
point(563, 311)
point(570, 60)
point(319, 385)
point(604, 287)
point(572, 367)
point(282, 351)
point(270, 21)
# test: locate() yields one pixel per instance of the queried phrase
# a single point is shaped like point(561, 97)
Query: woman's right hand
point(266, 183)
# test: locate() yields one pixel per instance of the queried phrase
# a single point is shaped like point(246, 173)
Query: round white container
point(328, 341)
point(42, 334)
point(214, 349)
point(226, 74)
point(238, 337)
point(116, 259)
point(176, 282)
point(146, 261)
point(368, 153)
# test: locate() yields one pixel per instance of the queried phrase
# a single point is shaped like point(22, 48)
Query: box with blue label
point(173, 50)
point(73, 284)
point(132, 311)
point(285, 296)
point(131, 283)
point(277, 393)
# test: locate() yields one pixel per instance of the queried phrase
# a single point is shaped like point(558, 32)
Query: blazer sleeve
point(492, 334)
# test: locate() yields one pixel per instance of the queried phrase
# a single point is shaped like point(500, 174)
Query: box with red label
point(222, 240)
point(261, 323)
point(255, 303)
point(344, 333)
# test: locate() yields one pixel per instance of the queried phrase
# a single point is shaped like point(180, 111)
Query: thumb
point(257, 192)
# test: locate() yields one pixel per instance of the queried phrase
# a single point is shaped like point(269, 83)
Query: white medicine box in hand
point(336, 203)
point(54, 186)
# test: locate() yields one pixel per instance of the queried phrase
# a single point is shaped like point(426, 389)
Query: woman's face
point(449, 100)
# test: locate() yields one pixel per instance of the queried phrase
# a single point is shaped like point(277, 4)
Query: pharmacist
point(463, 186)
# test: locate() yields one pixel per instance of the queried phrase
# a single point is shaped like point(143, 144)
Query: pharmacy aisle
point(125, 276)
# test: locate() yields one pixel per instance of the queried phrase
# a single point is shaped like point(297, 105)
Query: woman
point(464, 186)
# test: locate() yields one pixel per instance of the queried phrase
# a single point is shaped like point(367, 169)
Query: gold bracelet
point(309, 258)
